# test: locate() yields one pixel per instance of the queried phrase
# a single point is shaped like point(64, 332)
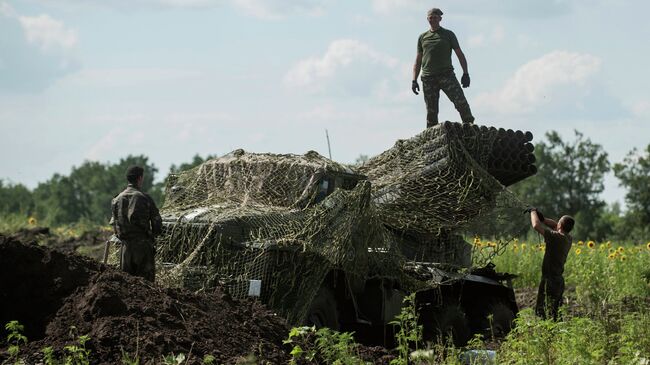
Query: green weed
point(15, 339)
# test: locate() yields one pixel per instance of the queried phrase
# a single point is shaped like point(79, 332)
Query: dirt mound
point(49, 291)
point(89, 242)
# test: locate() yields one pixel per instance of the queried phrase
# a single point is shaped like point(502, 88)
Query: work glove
point(465, 80)
point(533, 209)
point(415, 87)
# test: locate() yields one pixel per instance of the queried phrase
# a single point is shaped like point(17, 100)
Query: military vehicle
point(338, 246)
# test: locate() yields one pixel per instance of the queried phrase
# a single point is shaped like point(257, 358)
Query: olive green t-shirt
point(556, 252)
point(435, 47)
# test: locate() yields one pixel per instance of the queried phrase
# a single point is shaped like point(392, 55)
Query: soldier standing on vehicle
point(434, 58)
point(136, 222)
point(558, 244)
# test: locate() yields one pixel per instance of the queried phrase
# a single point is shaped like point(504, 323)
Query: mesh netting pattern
point(288, 220)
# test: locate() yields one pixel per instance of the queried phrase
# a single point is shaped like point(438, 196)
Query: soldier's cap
point(434, 11)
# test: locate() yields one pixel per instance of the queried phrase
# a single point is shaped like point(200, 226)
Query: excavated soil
point(49, 291)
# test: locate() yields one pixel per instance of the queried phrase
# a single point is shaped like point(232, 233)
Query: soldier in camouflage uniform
point(136, 222)
point(434, 59)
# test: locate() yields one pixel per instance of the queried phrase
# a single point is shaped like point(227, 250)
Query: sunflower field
point(606, 310)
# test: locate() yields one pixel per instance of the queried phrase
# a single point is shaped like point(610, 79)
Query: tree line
point(570, 180)
point(85, 195)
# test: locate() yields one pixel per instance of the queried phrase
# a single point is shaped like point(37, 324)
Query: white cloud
point(558, 77)
point(34, 51)
point(48, 33)
point(348, 66)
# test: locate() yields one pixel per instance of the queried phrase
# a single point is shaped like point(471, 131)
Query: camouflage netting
point(288, 220)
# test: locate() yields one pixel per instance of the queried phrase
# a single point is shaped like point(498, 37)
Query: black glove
point(415, 87)
point(533, 209)
point(465, 80)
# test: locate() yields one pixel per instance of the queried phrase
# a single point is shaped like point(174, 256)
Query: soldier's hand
point(415, 87)
point(465, 80)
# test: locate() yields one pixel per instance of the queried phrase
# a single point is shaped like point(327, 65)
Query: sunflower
point(580, 243)
point(591, 244)
point(578, 251)
point(612, 255)
point(620, 249)
point(623, 258)
point(31, 221)
point(647, 245)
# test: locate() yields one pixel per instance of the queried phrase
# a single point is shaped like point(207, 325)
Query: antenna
point(329, 149)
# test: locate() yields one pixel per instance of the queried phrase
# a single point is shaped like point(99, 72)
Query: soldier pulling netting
point(288, 220)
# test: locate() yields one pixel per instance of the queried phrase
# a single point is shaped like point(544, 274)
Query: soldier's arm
point(461, 59)
point(549, 222)
point(417, 66)
point(536, 223)
point(114, 218)
point(154, 214)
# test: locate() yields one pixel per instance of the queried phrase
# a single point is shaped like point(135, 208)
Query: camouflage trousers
point(447, 82)
point(549, 296)
point(137, 258)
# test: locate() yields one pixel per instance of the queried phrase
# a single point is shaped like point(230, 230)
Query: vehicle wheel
point(502, 319)
point(451, 321)
point(323, 311)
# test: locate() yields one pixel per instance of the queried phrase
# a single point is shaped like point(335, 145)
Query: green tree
point(569, 181)
point(15, 199)
point(87, 192)
point(196, 160)
point(58, 201)
point(159, 188)
point(634, 175)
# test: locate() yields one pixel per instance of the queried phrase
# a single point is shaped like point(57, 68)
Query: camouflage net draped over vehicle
point(288, 220)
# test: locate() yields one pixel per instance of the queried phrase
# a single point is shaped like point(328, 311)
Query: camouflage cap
point(434, 11)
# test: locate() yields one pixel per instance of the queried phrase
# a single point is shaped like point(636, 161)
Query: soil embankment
point(49, 291)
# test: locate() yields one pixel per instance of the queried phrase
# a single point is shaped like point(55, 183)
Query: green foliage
point(328, 346)
point(83, 195)
point(634, 174)
point(208, 359)
point(128, 359)
point(577, 340)
point(569, 180)
point(409, 333)
point(15, 339)
point(87, 192)
point(75, 353)
point(15, 199)
point(600, 272)
point(172, 359)
point(196, 160)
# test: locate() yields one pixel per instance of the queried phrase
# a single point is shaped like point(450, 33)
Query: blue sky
point(101, 79)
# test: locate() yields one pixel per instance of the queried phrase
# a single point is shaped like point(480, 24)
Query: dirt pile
point(88, 242)
point(49, 291)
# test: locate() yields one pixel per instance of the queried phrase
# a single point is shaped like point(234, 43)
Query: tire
point(450, 321)
point(323, 311)
point(502, 319)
